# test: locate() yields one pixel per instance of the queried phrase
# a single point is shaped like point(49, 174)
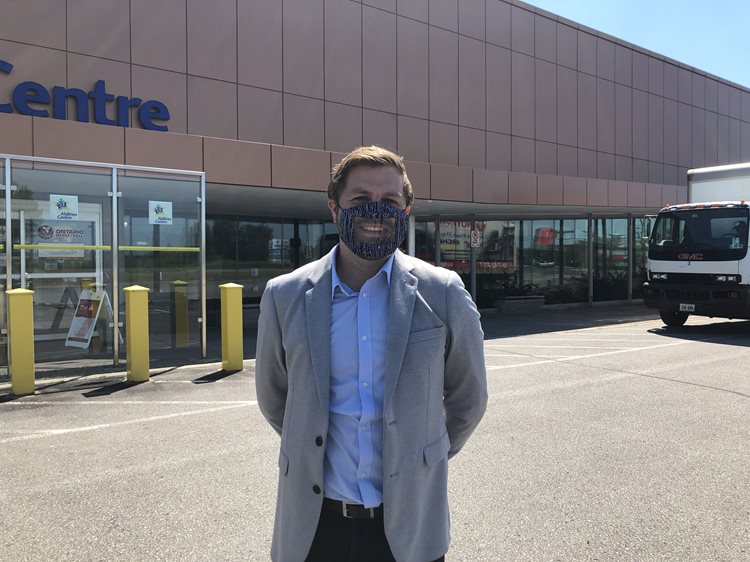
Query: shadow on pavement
point(109, 389)
point(213, 377)
point(732, 332)
point(497, 325)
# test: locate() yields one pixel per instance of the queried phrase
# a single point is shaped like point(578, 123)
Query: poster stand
point(87, 314)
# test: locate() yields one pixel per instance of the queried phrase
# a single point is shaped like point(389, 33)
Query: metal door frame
point(114, 194)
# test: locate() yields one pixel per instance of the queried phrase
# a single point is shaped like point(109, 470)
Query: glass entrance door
point(61, 249)
point(58, 239)
point(159, 247)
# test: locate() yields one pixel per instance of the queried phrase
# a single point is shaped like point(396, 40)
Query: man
point(370, 366)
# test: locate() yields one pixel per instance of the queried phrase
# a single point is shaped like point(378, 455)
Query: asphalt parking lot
point(607, 437)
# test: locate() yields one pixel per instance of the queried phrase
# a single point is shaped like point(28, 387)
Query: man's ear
point(407, 210)
point(332, 206)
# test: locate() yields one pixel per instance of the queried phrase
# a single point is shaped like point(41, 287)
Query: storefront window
point(497, 261)
point(574, 259)
point(541, 261)
point(521, 258)
point(455, 245)
point(250, 252)
point(320, 238)
point(610, 259)
point(424, 233)
point(221, 254)
point(263, 252)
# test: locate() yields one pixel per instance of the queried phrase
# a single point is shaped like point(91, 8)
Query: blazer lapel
point(403, 294)
point(318, 312)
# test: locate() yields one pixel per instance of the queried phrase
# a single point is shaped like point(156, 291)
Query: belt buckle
point(345, 511)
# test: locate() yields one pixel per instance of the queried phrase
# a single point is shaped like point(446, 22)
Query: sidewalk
point(494, 324)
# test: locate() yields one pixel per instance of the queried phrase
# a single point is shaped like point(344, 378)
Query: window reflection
point(252, 251)
point(520, 258)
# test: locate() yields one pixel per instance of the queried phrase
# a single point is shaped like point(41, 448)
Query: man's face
point(365, 184)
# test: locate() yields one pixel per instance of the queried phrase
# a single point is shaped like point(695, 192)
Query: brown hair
point(372, 156)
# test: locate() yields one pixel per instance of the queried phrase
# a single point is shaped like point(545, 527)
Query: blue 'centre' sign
point(27, 93)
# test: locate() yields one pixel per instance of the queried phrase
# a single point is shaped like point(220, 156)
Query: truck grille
point(708, 278)
point(690, 296)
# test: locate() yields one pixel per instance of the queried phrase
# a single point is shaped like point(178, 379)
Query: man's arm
point(465, 386)
point(271, 382)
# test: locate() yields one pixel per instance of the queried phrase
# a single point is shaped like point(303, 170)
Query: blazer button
point(318, 440)
point(316, 489)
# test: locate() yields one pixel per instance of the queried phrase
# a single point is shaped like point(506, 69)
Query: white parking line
point(520, 355)
point(200, 382)
point(559, 346)
point(562, 385)
point(53, 432)
point(95, 402)
point(572, 357)
point(575, 338)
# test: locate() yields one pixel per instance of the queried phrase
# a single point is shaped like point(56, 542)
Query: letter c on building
point(5, 68)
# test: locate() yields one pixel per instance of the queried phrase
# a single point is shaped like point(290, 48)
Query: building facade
point(535, 145)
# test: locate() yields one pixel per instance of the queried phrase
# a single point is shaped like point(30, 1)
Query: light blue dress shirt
point(359, 330)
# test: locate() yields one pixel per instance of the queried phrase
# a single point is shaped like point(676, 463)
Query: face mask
point(372, 230)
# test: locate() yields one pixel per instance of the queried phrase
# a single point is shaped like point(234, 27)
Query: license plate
point(687, 307)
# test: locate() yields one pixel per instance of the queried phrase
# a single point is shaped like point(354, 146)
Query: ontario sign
point(33, 99)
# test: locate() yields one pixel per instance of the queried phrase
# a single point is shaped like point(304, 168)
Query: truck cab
point(697, 253)
point(698, 262)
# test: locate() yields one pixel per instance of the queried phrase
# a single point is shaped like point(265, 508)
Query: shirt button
point(316, 489)
point(366, 385)
point(363, 474)
point(364, 338)
point(364, 295)
point(318, 440)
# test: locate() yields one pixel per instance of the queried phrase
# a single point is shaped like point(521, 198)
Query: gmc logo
point(690, 257)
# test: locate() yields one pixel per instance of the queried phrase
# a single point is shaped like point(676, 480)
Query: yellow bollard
point(21, 341)
point(136, 333)
point(180, 311)
point(231, 327)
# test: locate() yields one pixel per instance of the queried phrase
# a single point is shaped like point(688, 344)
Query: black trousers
point(339, 539)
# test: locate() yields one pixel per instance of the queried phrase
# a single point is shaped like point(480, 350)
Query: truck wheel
point(673, 319)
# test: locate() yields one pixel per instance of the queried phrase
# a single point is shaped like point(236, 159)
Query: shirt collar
point(337, 282)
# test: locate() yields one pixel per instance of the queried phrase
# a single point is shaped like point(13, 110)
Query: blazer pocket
point(283, 463)
point(425, 335)
point(437, 450)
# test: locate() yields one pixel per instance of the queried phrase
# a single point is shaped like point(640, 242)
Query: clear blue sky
point(713, 35)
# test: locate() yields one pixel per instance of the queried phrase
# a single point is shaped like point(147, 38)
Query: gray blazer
point(435, 394)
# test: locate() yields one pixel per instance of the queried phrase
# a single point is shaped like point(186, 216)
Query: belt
point(353, 510)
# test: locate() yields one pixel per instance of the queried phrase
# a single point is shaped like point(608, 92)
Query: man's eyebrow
point(355, 190)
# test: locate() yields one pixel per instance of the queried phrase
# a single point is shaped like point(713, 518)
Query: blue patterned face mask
point(372, 230)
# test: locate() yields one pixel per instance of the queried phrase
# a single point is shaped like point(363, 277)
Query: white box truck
point(698, 261)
